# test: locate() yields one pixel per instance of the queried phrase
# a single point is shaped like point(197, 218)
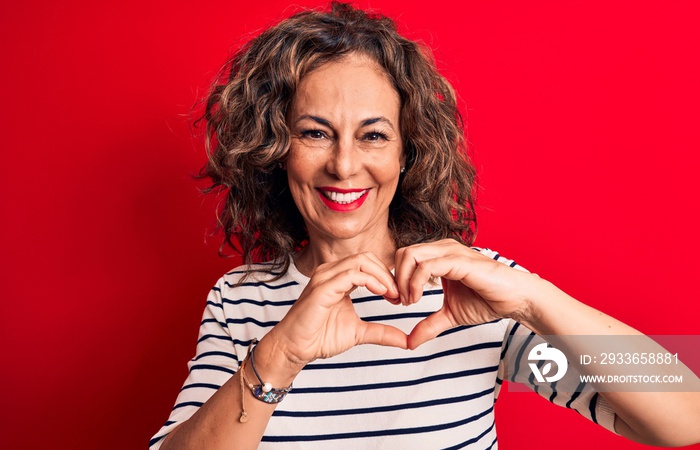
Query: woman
point(340, 150)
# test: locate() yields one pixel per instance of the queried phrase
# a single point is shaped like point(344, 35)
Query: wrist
point(273, 363)
point(550, 310)
point(533, 307)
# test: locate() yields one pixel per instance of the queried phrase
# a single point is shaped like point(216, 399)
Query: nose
point(343, 162)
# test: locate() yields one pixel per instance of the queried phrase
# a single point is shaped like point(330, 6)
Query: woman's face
point(346, 150)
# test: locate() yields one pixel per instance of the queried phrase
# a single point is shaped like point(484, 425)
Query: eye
point(375, 136)
point(313, 134)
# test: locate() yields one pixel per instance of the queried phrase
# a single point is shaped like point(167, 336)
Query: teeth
point(343, 199)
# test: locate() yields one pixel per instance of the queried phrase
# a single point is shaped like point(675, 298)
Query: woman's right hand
point(323, 322)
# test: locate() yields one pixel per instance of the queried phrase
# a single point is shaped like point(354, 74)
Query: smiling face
point(346, 151)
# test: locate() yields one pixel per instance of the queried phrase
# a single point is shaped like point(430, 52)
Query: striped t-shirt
point(440, 395)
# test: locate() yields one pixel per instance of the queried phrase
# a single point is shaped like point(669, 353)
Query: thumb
point(429, 328)
point(380, 334)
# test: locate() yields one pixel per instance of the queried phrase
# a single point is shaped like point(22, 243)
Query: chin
point(345, 230)
point(343, 234)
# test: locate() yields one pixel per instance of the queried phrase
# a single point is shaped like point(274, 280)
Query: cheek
point(386, 170)
point(299, 178)
point(296, 182)
point(297, 168)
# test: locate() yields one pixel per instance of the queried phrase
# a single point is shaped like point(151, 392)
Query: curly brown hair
point(247, 136)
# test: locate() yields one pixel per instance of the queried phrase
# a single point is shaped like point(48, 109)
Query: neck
point(320, 251)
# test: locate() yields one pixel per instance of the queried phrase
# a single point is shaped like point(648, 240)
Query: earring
point(403, 170)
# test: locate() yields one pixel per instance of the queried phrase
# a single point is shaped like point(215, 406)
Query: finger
point(451, 267)
point(414, 274)
point(421, 275)
point(409, 258)
point(367, 263)
point(380, 334)
point(406, 260)
point(392, 294)
point(429, 328)
point(344, 282)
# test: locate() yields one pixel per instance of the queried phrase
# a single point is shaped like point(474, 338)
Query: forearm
point(656, 418)
point(550, 311)
point(217, 424)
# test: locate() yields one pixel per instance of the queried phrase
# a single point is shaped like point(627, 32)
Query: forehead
point(351, 86)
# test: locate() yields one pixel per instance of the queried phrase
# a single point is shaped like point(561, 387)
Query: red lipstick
point(342, 207)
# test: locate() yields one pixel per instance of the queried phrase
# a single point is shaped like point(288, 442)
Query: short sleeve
point(214, 363)
point(568, 392)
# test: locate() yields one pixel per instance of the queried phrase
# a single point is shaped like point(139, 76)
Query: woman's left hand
point(477, 289)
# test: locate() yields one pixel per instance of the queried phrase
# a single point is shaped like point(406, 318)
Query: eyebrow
point(326, 123)
point(374, 120)
point(315, 119)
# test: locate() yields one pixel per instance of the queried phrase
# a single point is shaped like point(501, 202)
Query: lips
point(342, 200)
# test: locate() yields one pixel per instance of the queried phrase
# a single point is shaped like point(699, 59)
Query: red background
point(583, 120)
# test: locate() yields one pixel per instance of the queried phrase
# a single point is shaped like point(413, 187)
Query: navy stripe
point(271, 323)
point(575, 395)
point(155, 440)
point(363, 434)
point(418, 315)
point(418, 359)
point(183, 404)
point(392, 384)
point(262, 284)
point(213, 336)
point(554, 392)
point(493, 443)
point(553, 395)
point(591, 407)
point(387, 317)
point(211, 367)
point(252, 269)
point(430, 292)
point(242, 342)
point(258, 302)
point(454, 330)
point(496, 257)
point(212, 320)
point(216, 288)
point(521, 352)
point(378, 409)
point(227, 355)
point(243, 272)
point(371, 298)
point(510, 335)
point(201, 385)
point(218, 305)
point(466, 327)
point(513, 264)
point(474, 439)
